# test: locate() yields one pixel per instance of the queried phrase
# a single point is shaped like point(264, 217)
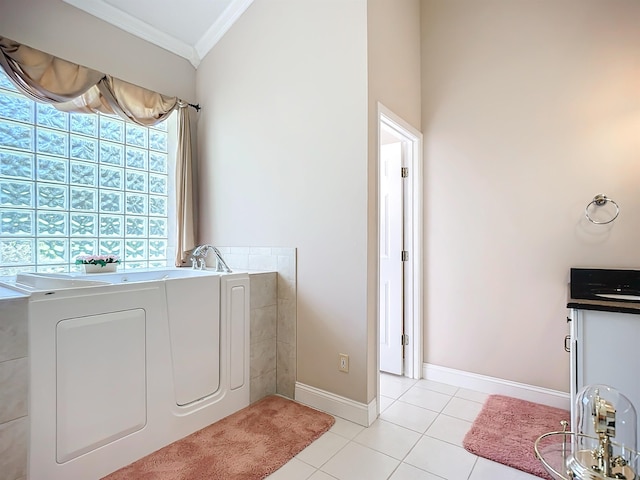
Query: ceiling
point(189, 28)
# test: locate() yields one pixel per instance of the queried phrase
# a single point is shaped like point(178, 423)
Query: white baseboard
point(360, 413)
point(493, 385)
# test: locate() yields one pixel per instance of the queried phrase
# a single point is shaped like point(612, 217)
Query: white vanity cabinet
point(605, 349)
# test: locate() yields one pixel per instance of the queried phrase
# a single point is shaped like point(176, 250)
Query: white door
point(391, 267)
point(400, 228)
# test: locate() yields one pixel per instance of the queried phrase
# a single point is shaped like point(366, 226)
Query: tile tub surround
point(13, 388)
point(283, 262)
point(263, 335)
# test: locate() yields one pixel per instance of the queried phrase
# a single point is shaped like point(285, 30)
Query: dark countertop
point(587, 283)
point(604, 305)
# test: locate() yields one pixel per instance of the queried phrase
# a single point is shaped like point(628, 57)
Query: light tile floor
point(418, 436)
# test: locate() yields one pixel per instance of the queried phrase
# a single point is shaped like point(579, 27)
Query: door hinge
point(405, 340)
point(405, 256)
point(404, 172)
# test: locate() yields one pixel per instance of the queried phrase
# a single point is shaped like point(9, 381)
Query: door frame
point(412, 141)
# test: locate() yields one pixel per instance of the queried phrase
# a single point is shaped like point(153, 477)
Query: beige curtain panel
point(184, 187)
point(74, 88)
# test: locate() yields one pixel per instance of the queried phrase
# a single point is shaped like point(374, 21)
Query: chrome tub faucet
point(199, 254)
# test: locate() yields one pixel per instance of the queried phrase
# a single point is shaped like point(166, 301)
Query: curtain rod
point(197, 107)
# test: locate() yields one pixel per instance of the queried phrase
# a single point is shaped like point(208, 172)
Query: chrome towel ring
point(599, 201)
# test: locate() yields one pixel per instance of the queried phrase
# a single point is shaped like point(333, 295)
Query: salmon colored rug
point(248, 445)
point(506, 429)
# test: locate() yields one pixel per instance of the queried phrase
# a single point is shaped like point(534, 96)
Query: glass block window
point(76, 184)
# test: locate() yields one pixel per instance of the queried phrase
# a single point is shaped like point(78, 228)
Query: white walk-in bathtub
point(122, 364)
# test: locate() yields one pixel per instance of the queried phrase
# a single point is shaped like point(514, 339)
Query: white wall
point(69, 33)
point(283, 142)
point(530, 108)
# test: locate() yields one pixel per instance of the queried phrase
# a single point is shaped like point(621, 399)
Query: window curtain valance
point(73, 88)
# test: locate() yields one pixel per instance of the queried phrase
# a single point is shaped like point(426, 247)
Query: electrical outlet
point(344, 362)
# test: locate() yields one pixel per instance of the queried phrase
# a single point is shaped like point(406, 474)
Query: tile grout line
point(473, 468)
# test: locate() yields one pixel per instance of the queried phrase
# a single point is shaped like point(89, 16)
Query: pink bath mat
point(248, 445)
point(506, 429)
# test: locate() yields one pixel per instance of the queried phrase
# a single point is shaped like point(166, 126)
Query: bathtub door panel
point(236, 307)
point(193, 305)
point(100, 380)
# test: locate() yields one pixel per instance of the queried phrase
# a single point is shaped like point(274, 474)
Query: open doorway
point(400, 241)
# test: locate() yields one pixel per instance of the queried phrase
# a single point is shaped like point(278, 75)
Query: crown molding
point(216, 31)
point(143, 30)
